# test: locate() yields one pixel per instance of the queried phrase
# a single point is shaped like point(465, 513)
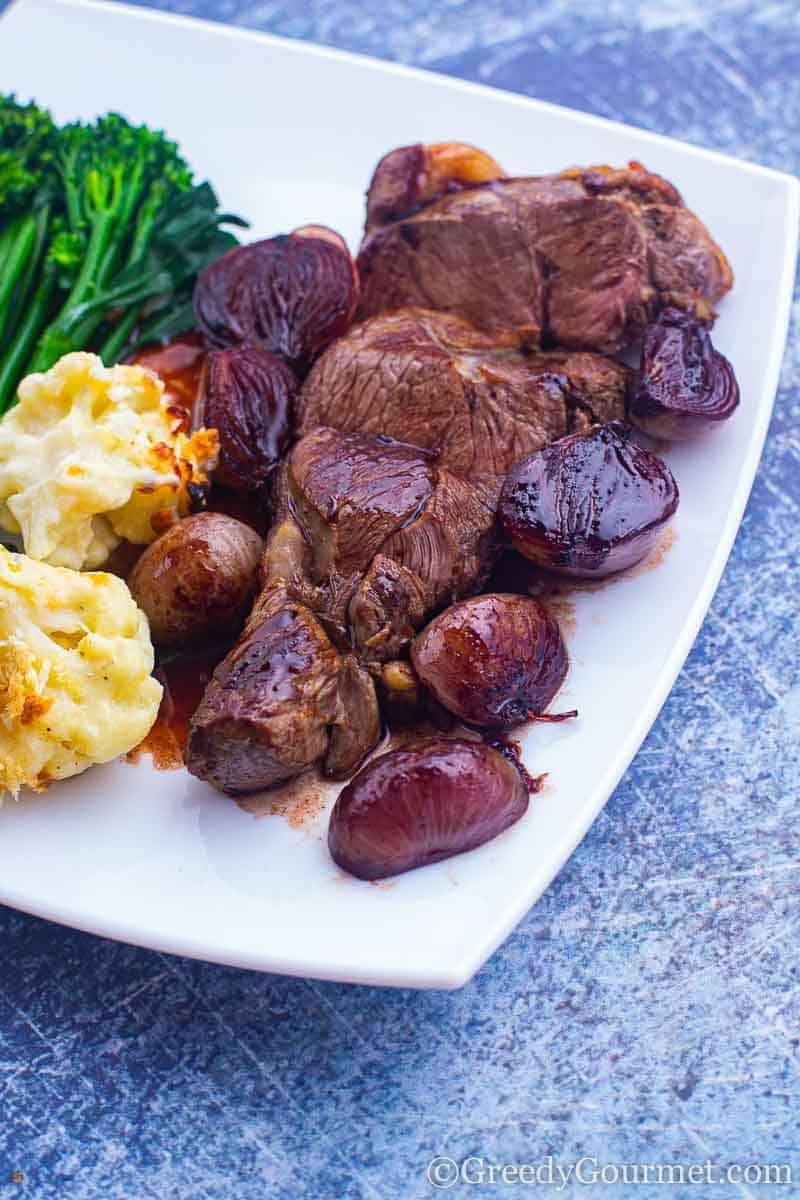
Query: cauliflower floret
point(75, 663)
point(95, 454)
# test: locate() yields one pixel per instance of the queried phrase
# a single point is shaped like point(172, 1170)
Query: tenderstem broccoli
point(103, 231)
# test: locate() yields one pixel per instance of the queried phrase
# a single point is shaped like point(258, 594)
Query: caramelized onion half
point(588, 505)
point(433, 799)
point(247, 395)
point(686, 386)
point(494, 660)
point(291, 294)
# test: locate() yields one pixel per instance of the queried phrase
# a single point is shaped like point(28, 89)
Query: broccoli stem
point(60, 336)
point(6, 238)
point(89, 280)
point(19, 247)
point(26, 280)
point(115, 343)
point(12, 365)
point(73, 194)
point(6, 241)
point(119, 337)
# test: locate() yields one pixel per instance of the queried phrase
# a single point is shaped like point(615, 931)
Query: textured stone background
point(648, 1008)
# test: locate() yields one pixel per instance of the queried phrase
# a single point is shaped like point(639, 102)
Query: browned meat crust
point(471, 397)
point(582, 259)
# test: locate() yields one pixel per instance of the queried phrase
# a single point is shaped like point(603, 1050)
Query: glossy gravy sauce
point(179, 364)
point(184, 680)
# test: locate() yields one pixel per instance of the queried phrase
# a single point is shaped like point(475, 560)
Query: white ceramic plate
point(290, 133)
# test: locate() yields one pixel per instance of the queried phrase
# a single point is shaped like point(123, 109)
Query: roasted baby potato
point(198, 579)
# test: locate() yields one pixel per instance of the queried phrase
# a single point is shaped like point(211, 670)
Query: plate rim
point(456, 974)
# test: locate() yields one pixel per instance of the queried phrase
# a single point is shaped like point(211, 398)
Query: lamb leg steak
point(372, 537)
point(282, 700)
point(473, 398)
point(583, 258)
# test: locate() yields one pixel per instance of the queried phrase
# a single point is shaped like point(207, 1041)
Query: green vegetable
point(28, 181)
point(102, 235)
point(28, 141)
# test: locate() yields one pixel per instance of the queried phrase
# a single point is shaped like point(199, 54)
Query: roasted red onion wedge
point(247, 395)
point(686, 386)
point(494, 660)
point(292, 295)
point(588, 505)
point(435, 798)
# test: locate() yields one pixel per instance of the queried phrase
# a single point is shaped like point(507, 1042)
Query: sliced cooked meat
point(583, 258)
point(684, 262)
point(466, 254)
point(283, 700)
point(374, 536)
point(412, 177)
point(348, 495)
point(446, 553)
point(450, 541)
point(352, 738)
point(436, 381)
point(593, 256)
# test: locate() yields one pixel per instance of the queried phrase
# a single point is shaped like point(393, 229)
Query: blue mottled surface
point(648, 1008)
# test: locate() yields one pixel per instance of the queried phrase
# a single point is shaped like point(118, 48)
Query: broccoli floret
point(65, 252)
point(28, 139)
point(109, 166)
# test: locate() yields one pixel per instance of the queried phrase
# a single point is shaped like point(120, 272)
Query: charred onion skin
point(291, 295)
point(588, 505)
point(433, 799)
point(493, 660)
point(410, 177)
point(197, 581)
point(686, 387)
point(247, 395)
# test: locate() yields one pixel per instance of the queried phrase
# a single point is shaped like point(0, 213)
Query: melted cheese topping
point(75, 672)
point(92, 455)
